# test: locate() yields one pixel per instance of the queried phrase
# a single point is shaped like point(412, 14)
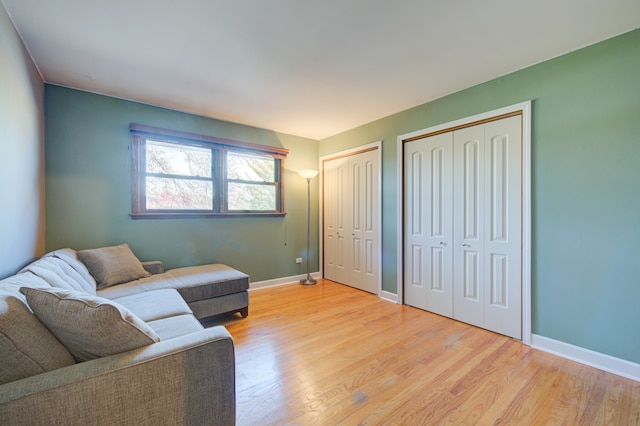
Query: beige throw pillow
point(112, 265)
point(88, 326)
point(27, 348)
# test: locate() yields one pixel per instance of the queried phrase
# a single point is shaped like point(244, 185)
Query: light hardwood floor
point(332, 355)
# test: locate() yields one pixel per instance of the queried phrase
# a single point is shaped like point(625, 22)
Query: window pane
point(246, 196)
point(175, 159)
point(179, 194)
point(250, 167)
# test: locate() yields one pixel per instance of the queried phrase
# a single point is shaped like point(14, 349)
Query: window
point(177, 174)
point(178, 177)
point(251, 182)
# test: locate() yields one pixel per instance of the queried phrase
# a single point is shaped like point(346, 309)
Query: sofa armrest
point(186, 380)
point(153, 266)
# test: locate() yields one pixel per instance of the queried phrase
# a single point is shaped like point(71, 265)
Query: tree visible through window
point(178, 174)
point(251, 181)
point(178, 177)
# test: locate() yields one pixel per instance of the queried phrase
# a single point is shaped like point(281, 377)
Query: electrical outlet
point(298, 260)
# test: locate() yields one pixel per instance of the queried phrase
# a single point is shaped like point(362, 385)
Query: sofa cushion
point(216, 305)
point(168, 328)
point(207, 281)
point(27, 348)
point(88, 326)
point(155, 305)
point(58, 273)
point(192, 282)
point(112, 265)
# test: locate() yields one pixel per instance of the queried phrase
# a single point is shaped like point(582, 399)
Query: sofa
point(98, 337)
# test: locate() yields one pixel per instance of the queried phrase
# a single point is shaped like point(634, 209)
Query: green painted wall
point(585, 184)
point(21, 158)
point(88, 190)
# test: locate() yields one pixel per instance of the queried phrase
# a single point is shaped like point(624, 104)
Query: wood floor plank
point(482, 407)
point(329, 354)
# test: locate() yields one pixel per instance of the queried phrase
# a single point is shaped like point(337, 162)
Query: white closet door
point(503, 227)
point(329, 217)
point(351, 240)
point(428, 224)
point(363, 245)
point(488, 226)
point(463, 225)
point(343, 214)
point(468, 201)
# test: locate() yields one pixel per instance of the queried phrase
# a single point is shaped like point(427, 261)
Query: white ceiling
point(311, 68)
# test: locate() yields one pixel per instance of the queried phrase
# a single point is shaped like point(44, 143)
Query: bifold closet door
point(428, 224)
point(329, 218)
point(342, 197)
point(462, 225)
point(350, 214)
point(364, 244)
point(488, 226)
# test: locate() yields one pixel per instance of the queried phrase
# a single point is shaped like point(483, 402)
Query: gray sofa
point(76, 351)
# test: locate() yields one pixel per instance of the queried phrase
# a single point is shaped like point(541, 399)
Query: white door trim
point(525, 109)
point(346, 153)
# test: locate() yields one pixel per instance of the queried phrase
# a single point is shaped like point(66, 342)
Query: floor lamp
point(308, 175)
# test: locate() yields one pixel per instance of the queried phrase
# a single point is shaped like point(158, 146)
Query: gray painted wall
point(21, 161)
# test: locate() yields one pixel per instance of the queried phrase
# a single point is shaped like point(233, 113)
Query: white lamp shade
point(308, 174)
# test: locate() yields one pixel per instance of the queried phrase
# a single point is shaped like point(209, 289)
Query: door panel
point(498, 279)
point(468, 253)
point(428, 240)
point(371, 221)
point(414, 231)
point(329, 226)
point(343, 206)
point(503, 222)
point(355, 240)
point(471, 180)
point(364, 196)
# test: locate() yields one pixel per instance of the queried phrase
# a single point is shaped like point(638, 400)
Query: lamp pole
point(308, 175)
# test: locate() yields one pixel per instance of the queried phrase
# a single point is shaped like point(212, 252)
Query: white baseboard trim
point(281, 281)
point(608, 363)
point(384, 295)
point(389, 297)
